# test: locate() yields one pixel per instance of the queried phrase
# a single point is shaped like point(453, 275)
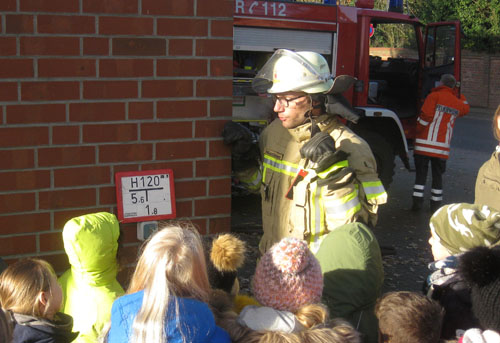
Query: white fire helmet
point(288, 71)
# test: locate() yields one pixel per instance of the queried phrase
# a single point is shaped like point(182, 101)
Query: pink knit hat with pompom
point(288, 276)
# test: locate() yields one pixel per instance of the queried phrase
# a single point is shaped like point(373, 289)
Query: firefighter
point(433, 137)
point(315, 173)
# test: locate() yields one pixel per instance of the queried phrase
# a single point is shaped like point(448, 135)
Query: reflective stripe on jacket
point(317, 209)
point(327, 207)
point(251, 179)
point(436, 121)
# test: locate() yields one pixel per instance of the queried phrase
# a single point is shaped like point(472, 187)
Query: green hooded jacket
point(353, 274)
point(90, 285)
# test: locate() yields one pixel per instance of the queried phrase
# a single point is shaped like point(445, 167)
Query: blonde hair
point(312, 314)
point(334, 331)
point(172, 264)
point(496, 129)
point(271, 337)
point(21, 284)
point(313, 317)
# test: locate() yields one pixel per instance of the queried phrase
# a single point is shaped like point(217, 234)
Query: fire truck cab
point(395, 63)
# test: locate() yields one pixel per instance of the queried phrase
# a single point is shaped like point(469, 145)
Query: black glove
point(320, 149)
point(239, 137)
point(243, 142)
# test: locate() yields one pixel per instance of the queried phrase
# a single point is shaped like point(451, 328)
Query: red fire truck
point(395, 59)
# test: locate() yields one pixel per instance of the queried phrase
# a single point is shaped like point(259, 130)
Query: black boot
point(435, 205)
point(417, 204)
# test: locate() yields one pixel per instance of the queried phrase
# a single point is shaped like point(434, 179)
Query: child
point(455, 229)
point(353, 274)
point(408, 317)
point(288, 284)
point(30, 290)
point(90, 286)
point(165, 299)
point(480, 267)
point(224, 255)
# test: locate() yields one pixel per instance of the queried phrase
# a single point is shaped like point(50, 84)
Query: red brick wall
point(480, 81)
point(494, 83)
point(89, 88)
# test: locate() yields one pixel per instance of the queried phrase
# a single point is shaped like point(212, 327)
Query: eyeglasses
point(284, 101)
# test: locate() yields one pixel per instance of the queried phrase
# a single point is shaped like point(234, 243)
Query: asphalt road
point(407, 231)
point(398, 227)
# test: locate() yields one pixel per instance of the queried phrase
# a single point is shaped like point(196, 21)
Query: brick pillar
point(494, 84)
point(89, 88)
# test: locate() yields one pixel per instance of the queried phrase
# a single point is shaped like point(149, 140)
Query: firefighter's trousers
point(438, 167)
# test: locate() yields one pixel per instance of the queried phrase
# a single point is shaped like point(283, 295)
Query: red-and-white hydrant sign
point(145, 195)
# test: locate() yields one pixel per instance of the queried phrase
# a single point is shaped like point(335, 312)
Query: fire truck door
point(441, 54)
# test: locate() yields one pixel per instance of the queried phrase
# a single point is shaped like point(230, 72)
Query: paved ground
point(407, 232)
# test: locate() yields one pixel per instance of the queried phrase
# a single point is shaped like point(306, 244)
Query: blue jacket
point(196, 321)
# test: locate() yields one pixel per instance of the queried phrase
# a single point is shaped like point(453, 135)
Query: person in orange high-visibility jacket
point(433, 137)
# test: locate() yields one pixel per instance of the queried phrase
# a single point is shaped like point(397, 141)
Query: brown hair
point(408, 317)
point(6, 326)
point(21, 284)
point(496, 129)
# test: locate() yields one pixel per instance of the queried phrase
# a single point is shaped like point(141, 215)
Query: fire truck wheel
point(384, 154)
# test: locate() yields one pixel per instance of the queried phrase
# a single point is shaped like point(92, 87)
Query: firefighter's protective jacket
point(435, 123)
point(348, 191)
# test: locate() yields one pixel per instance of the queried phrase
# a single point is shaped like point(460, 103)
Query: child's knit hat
point(480, 268)
point(288, 276)
point(460, 227)
point(224, 255)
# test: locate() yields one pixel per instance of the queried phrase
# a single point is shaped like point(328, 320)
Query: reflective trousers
point(438, 167)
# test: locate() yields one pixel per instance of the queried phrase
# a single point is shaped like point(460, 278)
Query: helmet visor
point(287, 71)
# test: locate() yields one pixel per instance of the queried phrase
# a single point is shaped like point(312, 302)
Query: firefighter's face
point(291, 108)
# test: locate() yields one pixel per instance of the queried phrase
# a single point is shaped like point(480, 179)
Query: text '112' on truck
point(394, 57)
